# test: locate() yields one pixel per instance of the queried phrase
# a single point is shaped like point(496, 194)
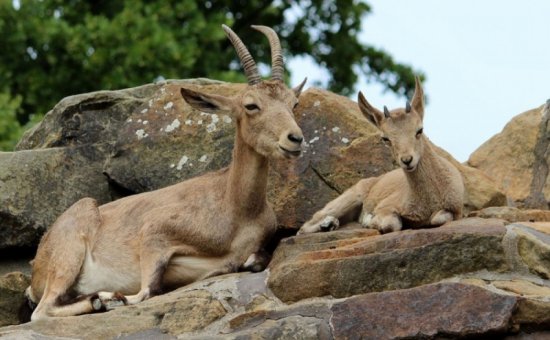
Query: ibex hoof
point(329, 223)
point(108, 301)
point(97, 305)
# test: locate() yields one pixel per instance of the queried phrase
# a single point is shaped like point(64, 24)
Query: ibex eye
point(295, 106)
point(386, 140)
point(419, 132)
point(251, 107)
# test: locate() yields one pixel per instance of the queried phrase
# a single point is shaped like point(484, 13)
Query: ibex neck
point(427, 180)
point(247, 186)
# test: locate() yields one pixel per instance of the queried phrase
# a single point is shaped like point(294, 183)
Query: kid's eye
point(251, 107)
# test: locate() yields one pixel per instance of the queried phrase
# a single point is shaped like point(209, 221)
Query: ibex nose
point(295, 138)
point(406, 160)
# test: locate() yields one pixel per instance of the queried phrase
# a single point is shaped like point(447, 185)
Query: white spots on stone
point(182, 162)
point(150, 102)
point(204, 113)
point(210, 127)
point(172, 165)
point(129, 120)
point(163, 90)
point(324, 128)
point(168, 105)
point(145, 122)
point(345, 140)
point(141, 134)
point(317, 103)
point(316, 138)
point(316, 131)
point(139, 120)
point(199, 122)
point(144, 110)
point(174, 125)
point(336, 129)
point(226, 119)
point(189, 122)
point(203, 158)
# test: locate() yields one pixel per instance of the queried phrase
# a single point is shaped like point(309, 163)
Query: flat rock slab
point(398, 260)
point(431, 311)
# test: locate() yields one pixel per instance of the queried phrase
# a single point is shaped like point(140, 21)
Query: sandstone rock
point(12, 288)
point(391, 261)
point(520, 287)
point(508, 157)
point(512, 214)
point(535, 253)
point(432, 311)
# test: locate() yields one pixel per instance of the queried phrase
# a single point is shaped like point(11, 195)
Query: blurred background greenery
point(55, 48)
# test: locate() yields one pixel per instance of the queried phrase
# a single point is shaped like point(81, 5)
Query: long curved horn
point(277, 63)
point(247, 61)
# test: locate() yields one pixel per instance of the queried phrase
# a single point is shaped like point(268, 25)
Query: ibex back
point(98, 257)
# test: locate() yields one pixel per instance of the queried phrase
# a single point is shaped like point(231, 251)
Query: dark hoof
point(329, 223)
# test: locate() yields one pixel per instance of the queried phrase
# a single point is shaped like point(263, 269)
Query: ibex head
point(401, 128)
point(264, 110)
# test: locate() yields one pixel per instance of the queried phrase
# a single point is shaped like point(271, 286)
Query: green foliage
point(56, 48)
point(10, 130)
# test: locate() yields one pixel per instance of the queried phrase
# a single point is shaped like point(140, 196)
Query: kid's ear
point(372, 114)
point(211, 103)
point(298, 89)
point(418, 98)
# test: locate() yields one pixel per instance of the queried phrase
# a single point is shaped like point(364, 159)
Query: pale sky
point(485, 61)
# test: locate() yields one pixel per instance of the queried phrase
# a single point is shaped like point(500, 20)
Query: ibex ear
point(298, 89)
point(417, 102)
point(211, 103)
point(372, 114)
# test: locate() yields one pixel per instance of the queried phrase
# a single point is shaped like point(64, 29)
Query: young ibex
point(426, 191)
point(98, 257)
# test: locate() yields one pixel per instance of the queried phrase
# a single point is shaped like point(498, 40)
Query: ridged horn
point(277, 63)
point(408, 107)
point(249, 65)
point(386, 112)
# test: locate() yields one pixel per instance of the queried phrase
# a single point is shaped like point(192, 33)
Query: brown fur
point(198, 228)
point(426, 191)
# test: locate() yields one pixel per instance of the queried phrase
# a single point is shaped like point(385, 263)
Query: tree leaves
point(56, 48)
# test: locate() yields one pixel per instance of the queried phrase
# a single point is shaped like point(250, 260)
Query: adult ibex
point(427, 190)
point(98, 257)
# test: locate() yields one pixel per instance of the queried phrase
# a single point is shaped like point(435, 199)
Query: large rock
point(488, 283)
point(12, 288)
point(110, 144)
point(386, 262)
point(517, 158)
point(426, 312)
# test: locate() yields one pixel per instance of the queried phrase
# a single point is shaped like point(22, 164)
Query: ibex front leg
point(346, 205)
